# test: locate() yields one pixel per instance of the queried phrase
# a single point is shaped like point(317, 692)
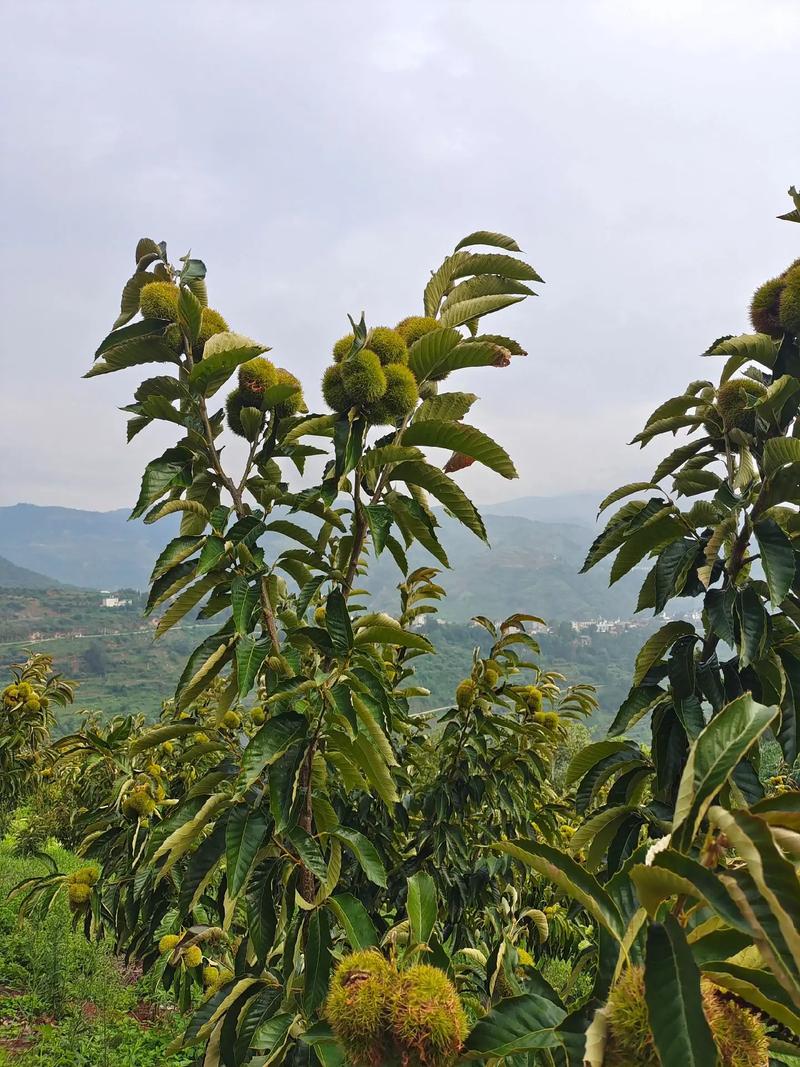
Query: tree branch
point(360, 529)
point(268, 615)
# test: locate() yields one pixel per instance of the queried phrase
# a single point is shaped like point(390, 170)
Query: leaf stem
point(360, 530)
point(202, 407)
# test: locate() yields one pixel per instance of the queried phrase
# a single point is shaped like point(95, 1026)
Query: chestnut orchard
point(321, 873)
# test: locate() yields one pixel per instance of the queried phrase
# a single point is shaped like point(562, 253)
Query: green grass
point(67, 1002)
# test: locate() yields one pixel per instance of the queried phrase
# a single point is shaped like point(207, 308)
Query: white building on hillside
point(113, 602)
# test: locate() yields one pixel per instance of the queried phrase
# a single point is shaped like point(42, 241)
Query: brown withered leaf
point(457, 462)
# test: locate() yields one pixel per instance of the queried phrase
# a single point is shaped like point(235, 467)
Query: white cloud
point(323, 158)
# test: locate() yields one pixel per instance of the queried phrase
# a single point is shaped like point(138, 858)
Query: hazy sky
point(323, 157)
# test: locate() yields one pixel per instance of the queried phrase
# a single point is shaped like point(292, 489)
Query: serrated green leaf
point(146, 246)
point(222, 354)
point(476, 263)
point(365, 852)
point(779, 451)
point(631, 516)
point(250, 654)
point(657, 645)
point(440, 281)
point(354, 919)
point(422, 907)
point(678, 456)
point(681, 1032)
point(488, 237)
point(705, 885)
point(569, 876)
point(415, 525)
point(375, 769)
point(160, 475)
point(634, 707)
point(692, 482)
point(605, 821)
point(203, 665)
point(670, 571)
point(295, 532)
point(252, 421)
point(429, 355)
point(770, 899)
point(158, 736)
point(777, 395)
point(756, 987)
point(163, 385)
point(190, 313)
point(274, 738)
point(261, 918)
point(313, 426)
point(276, 394)
point(188, 599)
point(753, 625)
point(759, 347)
point(318, 962)
point(150, 348)
point(379, 519)
point(376, 459)
point(622, 492)
point(244, 598)
point(650, 537)
point(676, 405)
point(588, 756)
point(468, 310)
point(514, 1027)
point(202, 865)
point(483, 285)
point(212, 552)
point(722, 744)
point(129, 302)
point(777, 558)
point(392, 635)
point(444, 489)
point(448, 407)
point(308, 850)
point(170, 582)
point(246, 830)
point(458, 437)
point(668, 425)
point(171, 506)
point(337, 622)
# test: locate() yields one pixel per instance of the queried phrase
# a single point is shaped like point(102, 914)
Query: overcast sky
point(323, 157)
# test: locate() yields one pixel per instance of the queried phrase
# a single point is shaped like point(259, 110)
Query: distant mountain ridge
point(528, 566)
point(91, 549)
point(14, 577)
point(532, 564)
point(572, 508)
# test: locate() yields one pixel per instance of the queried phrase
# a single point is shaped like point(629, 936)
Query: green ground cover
point(68, 1002)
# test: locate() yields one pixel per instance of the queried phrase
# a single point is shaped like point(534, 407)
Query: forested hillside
point(531, 560)
point(14, 577)
point(120, 667)
point(90, 549)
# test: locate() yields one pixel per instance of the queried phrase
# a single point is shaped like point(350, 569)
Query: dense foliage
point(718, 894)
point(260, 841)
point(27, 717)
point(321, 873)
